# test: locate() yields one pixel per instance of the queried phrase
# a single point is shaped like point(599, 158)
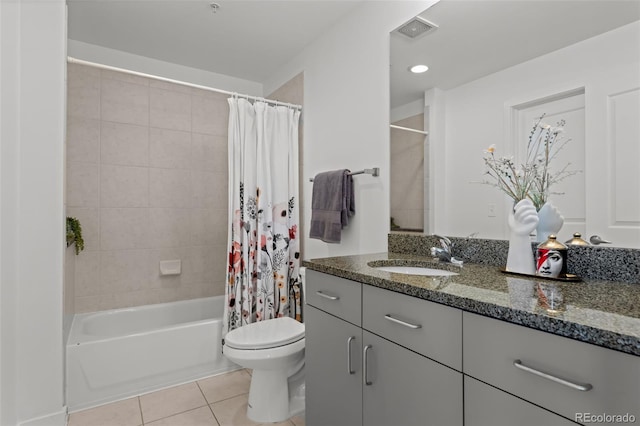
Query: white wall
point(31, 211)
point(476, 117)
point(142, 64)
point(346, 117)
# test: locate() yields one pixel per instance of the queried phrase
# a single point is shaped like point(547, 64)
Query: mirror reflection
point(493, 67)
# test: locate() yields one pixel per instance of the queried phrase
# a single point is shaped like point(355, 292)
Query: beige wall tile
point(124, 102)
point(87, 281)
point(83, 91)
point(209, 153)
point(83, 187)
point(169, 227)
point(169, 188)
point(124, 228)
point(174, 87)
point(209, 189)
point(123, 76)
point(170, 109)
point(199, 265)
point(124, 186)
point(83, 139)
point(144, 193)
point(169, 149)
point(69, 289)
point(124, 144)
point(210, 113)
point(124, 271)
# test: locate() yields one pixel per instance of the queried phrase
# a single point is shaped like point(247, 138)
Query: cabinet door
point(487, 406)
point(333, 379)
point(404, 388)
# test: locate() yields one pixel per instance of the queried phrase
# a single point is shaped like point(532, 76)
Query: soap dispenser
point(551, 259)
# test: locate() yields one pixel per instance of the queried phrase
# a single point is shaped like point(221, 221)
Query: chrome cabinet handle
point(406, 324)
point(578, 386)
point(326, 296)
point(349, 340)
point(364, 372)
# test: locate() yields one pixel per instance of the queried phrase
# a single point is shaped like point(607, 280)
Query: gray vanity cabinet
point(404, 388)
point(355, 377)
point(333, 381)
point(333, 351)
point(487, 406)
point(568, 377)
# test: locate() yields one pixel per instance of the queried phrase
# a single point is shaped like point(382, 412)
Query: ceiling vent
point(416, 28)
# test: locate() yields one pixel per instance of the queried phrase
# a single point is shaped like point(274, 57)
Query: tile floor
point(216, 401)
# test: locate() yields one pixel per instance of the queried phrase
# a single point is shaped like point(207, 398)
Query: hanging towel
point(332, 204)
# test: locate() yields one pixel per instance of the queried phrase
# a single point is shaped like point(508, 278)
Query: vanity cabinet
point(357, 373)
point(377, 357)
point(487, 406)
point(568, 377)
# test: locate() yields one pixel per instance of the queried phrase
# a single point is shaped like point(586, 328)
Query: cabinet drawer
point(428, 328)
point(594, 380)
point(337, 296)
point(487, 406)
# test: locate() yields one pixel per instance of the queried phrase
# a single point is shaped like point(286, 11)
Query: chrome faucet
point(445, 252)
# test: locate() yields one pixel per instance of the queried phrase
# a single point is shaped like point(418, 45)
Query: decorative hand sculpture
point(522, 221)
point(550, 222)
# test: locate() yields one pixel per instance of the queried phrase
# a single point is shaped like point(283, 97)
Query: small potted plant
point(74, 234)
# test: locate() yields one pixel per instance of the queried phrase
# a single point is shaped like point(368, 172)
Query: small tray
point(567, 278)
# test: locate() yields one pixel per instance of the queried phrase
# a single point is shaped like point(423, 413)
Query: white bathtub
point(119, 353)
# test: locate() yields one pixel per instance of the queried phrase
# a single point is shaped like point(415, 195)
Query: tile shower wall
point(147, 178)
point(407, 174)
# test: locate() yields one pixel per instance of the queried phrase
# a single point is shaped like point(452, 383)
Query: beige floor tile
point(168, 402)
point(297, 420)
point(225, 386)
point(199, 417)
point(121, 413)
point(233, 412)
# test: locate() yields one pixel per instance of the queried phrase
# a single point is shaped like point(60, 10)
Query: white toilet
point(274, 349)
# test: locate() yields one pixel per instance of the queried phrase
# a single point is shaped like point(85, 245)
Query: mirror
point(493, 65)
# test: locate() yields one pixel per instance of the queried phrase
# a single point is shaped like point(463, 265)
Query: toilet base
point(274, 397)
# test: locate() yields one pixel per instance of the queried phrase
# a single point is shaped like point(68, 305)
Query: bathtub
point(112, 355)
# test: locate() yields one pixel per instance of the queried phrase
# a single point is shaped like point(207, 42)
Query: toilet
point(274, 349)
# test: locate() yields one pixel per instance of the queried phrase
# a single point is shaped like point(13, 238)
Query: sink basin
point(416, 270)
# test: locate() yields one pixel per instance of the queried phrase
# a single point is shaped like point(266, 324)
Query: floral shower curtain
point(263, 280)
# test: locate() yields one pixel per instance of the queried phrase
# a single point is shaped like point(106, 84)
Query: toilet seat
point(265, 334)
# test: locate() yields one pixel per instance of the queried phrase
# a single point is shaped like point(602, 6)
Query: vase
point(550, 222)
point(523, 219)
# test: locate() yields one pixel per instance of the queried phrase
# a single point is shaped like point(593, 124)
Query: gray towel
point(332, 204)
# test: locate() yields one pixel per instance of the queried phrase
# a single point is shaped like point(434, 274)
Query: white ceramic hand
point(524, 218)
point(522, 221)
point(550, 222)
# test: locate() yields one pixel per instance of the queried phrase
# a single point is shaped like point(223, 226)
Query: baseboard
point(54, 419)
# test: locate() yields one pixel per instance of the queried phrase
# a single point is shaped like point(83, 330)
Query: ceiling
point(477, 38)
point(243, 38)
point(252, 39)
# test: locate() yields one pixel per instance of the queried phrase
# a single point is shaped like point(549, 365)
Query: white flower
point(491, 149)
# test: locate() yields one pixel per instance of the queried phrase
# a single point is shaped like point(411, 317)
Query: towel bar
point(373, 172)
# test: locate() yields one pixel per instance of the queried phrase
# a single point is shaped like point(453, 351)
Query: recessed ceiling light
point(417, 69)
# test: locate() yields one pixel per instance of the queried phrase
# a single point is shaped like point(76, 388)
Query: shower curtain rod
point(182, 83)
point(422, 132)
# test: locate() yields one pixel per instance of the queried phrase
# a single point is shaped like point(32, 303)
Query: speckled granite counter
point(604, 313)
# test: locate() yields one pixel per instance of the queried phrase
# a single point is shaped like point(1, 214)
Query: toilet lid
point(265, 334)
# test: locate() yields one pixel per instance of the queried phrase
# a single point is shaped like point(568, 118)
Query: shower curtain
point(263, 280)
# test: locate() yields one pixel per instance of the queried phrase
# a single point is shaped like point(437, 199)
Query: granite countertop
point(603, 313)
